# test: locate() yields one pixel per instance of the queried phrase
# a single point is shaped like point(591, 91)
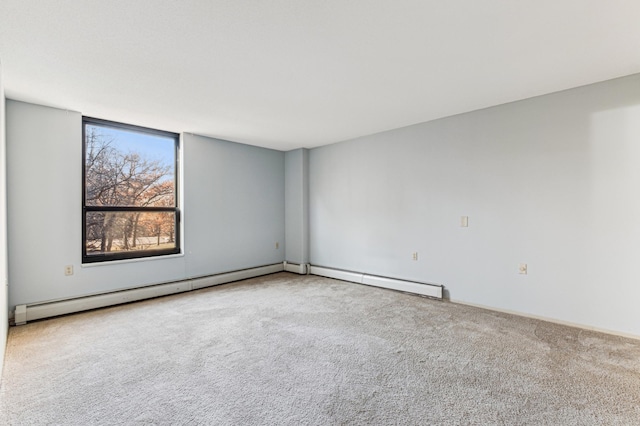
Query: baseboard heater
point(25, 313)
point(297, 268)
point(424, 289)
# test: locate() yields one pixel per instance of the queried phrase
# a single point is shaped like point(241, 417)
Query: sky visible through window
point(151, 147)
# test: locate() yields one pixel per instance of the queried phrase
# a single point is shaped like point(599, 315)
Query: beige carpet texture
point(304, 350)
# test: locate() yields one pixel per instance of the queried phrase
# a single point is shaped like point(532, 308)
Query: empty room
point(319, 212)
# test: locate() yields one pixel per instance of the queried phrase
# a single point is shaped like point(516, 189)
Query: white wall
point(233, 210)
point(297, 206)
point(553, 182)
point(4, 312)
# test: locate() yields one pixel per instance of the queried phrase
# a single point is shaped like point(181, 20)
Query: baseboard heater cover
point(228, 277)
point(424, 289)
point(296, 268)
point(338, 274)
point(25, 313)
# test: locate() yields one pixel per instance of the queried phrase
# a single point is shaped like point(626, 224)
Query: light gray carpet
point(289, 350)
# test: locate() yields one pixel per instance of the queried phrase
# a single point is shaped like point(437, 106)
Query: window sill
point(139, 259)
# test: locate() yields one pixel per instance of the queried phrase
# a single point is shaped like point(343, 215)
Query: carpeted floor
point(288, 350)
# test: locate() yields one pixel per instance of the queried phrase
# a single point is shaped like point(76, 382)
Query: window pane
point(116, 232)
point(128, 168)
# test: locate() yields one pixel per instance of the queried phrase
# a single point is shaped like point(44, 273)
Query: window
point(130, 192)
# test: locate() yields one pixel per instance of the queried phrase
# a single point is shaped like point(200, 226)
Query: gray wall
point(233, 207)
point(4, 312)
point(297, 205)
point(551, 181)
point(234, 212)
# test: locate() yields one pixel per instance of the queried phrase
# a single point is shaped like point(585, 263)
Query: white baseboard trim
point(548, 319)
point(25, 313)
point(424, 289)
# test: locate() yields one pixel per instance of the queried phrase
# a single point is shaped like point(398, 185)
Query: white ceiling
point(286, 74)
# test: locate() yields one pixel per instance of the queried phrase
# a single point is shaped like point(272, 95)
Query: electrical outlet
point(414, 256)
point(522, 269)
point(277, 245)
point(68, 270)
point(464, 221)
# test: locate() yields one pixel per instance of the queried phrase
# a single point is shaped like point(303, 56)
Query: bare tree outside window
point(130, 196)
